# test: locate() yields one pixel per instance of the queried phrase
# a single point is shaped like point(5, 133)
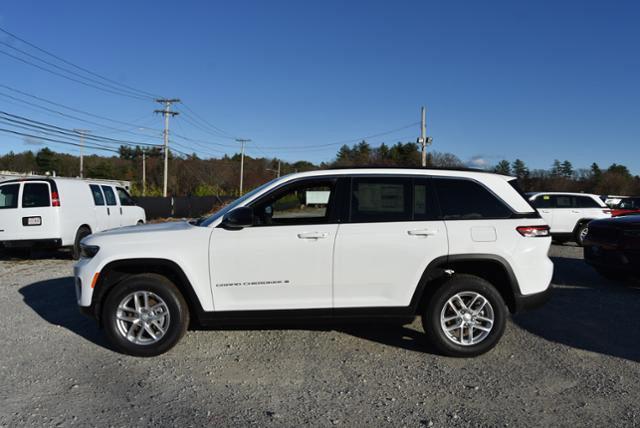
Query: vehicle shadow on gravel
point(589, 312)
point(55, 301)
point(21, 254)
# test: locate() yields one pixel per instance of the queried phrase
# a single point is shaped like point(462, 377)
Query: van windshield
point(9, 196)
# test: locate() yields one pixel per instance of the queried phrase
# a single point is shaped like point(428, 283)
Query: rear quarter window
point(467, 200)
point(36, 195)
point(586, 202)
point(9, 196)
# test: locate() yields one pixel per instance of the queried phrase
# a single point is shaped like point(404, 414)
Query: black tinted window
point(109, 195)
point(563, 201)
point(586, 202)
point(468, 200)
point(424, 207)
point(36, 195)
point(98, 199)
point(542, 201)
point(9, 196)
point(125, 199)
point(381, 199)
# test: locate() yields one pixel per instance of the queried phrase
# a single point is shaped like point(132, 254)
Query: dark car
point(612, 246)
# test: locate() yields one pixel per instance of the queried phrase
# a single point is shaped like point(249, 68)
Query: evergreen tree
point(566, 169)
point(503, 167)
point(520, 169)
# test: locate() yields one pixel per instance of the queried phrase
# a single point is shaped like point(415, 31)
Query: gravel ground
point(574, 362)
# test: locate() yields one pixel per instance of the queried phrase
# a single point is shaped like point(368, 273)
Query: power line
point(55, 141)
point(69, 78)
point(148, 94)
point(203, 120)
point(73, 73)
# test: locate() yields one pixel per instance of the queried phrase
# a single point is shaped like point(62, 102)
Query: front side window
point(36, 195)
point(98, 199)
point(125, 198)
point(542, 201)
point(382, 199)
point(9, 196)
point(109, 195)
point(307, 203)
point(467, 200)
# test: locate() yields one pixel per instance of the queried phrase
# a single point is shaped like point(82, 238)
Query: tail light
point(55, 199)
point(533, 231)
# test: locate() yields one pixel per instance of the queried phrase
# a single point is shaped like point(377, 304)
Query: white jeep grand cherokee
point(458, 248)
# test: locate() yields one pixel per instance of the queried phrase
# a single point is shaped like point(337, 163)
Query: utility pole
point(423, 140)
point(242, 142)
point(278, 168)
point(166, 112)
point(277, 171)
point(81, 133)
point(144, 173)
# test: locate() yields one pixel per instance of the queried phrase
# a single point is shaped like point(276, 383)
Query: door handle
point(422, 232)
point(108, 211)
point(545, 211)
point(120, 210)
point(312, 235)
point(575, 211)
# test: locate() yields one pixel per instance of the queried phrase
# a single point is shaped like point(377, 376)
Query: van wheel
point(82, 232)
point(465, 316)
point(145, 315)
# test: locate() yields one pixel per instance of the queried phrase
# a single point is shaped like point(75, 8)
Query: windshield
point(221, 212)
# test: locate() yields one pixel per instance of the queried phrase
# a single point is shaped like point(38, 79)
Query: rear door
point(100, 207)
point(113, 209)
point(37, 217)
point(391, 233)
point(128, 209)
point(565, 213)
point(10, 221)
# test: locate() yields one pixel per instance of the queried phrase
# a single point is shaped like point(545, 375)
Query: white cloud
point(478, 161)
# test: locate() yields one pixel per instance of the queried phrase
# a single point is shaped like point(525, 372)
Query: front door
point(127, 207)
point(392, 234)
point(285, 260)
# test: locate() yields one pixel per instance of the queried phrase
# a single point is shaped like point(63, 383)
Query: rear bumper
point(524, 303)
point(25, 243)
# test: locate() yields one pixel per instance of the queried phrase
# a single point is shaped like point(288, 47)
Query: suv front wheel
point(465, 316)
point(145, 315)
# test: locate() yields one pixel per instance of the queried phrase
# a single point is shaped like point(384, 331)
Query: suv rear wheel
point(581, 233)
point(465, 316)
point(145, 315)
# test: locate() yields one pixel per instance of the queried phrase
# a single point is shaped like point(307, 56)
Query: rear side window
point(98, 199)
point(468, 200)
point(382, 199)
point(562, 201)
point(586, 202)
point(125, 199)
point(36, 195)
point(109, 195)
point(9, 196)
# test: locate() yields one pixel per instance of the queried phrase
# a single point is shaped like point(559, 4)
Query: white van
point(59, 212)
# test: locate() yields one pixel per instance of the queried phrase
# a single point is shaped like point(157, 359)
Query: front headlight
point(88, 251)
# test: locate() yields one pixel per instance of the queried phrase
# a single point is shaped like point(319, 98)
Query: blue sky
point(538, 80)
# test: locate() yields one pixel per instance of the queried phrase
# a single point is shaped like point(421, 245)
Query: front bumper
point(524, 303)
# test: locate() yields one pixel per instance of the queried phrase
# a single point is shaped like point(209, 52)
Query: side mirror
point(238, 218)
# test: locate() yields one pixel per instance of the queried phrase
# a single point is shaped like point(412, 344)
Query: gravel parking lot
point(574, 362)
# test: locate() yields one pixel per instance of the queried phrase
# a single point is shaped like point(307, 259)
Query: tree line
point(192, 175)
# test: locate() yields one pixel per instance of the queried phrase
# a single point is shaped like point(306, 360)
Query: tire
point(82, 232)
point(581, 233)
point(466, 287)
point(130, 337)
point(140, 222)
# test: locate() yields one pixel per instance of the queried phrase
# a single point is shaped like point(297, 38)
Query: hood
point(171, 226)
